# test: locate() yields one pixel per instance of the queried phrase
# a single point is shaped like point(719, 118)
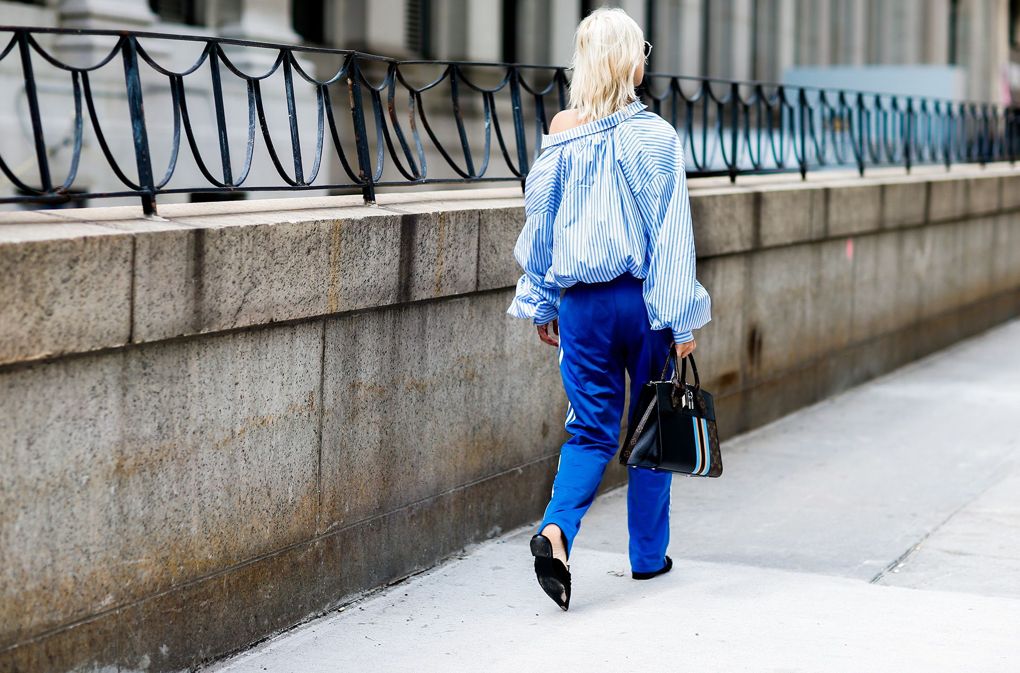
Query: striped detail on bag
point(703, 457)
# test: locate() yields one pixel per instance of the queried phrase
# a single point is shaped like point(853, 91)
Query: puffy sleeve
point(673, 296)
point(538, 299)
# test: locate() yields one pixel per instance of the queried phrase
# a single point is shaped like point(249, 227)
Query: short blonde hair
point(608, 48)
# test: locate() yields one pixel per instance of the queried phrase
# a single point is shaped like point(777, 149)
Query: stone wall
point(218, 424)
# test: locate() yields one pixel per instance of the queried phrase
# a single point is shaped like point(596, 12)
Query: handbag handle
point(682, 378)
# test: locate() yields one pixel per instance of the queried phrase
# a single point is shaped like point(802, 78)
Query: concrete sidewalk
point(876, 531)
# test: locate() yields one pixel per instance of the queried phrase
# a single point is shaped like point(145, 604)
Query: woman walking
point(607, 223)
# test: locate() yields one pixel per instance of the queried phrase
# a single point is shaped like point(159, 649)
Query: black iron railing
point(377, 122)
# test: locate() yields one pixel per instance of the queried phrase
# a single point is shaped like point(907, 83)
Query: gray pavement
point(876, 531)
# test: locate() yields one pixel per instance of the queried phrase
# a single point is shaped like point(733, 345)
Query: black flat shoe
point(661, 571)
point(553, 576)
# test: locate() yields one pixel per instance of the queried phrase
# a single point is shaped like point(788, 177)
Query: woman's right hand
point(683, 350)
point(543, 333)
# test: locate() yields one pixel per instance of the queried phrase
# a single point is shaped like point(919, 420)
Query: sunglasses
point(648, 48)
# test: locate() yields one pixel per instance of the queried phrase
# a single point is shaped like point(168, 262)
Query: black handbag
point(675, 429)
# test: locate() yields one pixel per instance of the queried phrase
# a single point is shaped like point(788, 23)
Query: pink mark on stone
point(849, 248)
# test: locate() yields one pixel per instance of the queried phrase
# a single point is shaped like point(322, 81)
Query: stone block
point(983, 195)
point(722, 342)
point(885, 292)
point(791, 215)
point(498, 230)
point(124, 474)
point(279, 590)
point(947, 199)
point(724, 220)
point(799, 306)
point(207, 279)
point(423, 398)
point(1006, 252)
point(854, 208)
point(64, 288)
point(1010, 192)
point(904, 203)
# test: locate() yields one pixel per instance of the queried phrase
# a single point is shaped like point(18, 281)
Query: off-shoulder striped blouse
point(606, 198)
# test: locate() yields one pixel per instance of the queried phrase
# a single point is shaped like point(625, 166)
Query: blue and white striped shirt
point(606, 198)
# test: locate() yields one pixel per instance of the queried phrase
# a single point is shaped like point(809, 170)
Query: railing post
point(860, 133)
point(360, 133)
point(908, 133)
point(735, 122)
point(139, 133)
point(518, 114)
point(802, 132)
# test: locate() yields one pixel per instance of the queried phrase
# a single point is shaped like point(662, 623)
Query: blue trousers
point(603, 332)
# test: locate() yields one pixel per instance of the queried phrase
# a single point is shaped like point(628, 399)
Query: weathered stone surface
point(791, 214)
point(63, 289)
point(724, 220)
point(947, 199)
point(886, 290)
point(799, 305)
point(127, 473)
point(983, 195)
point(1006, 252)
point(904, 203)
point(498, 230)
point(723, 343)
point(854, 209)
point(165, 476)
point(421, 398)
point(275, 591)
point(1010, 192)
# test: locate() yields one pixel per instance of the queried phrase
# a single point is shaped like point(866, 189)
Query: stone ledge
point(96, 278)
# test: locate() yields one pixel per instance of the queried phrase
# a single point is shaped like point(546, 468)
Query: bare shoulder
point(564, 120)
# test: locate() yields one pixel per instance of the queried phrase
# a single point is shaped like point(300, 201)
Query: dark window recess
point(309, 20)
point(1014, 23)
point(41, 3)
point(178, 11)
point(418, 27)
point(509, 36)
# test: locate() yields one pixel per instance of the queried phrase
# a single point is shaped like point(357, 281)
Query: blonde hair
point(608, 48)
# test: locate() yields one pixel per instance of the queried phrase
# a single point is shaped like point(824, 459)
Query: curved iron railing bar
point(503, 147)
point(180, 95)
point(458, 120)
point(270, 147)
point(145, 56)
point(376, 173)
point(331, 120)
point(435, 140)
point(225, 59)
point(10, 46)
point(416, 171)
point(56, 63)
point(175, 143)
point(101, 137)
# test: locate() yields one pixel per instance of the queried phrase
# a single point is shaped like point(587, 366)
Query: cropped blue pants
point(604, 331)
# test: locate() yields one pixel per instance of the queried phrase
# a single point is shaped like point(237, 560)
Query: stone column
point(563, 19)
point(785, 36)
point(98, 14)
point(935, 47)
point(741, 23)
point(261, 20)
point(483, 31)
